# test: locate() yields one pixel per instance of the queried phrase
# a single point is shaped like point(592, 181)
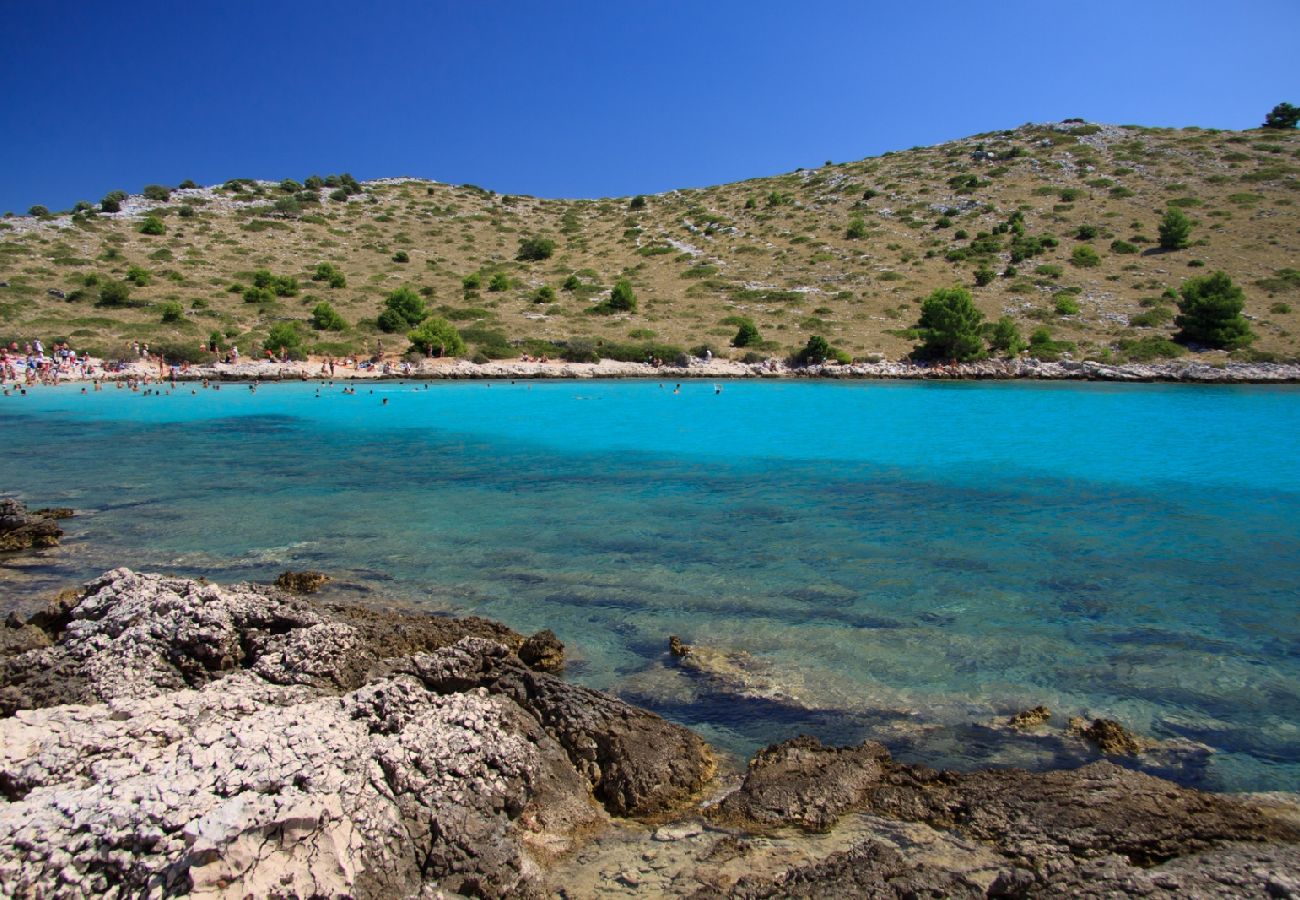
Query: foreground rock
point(24, 530)
point(237, 741)
point(1100, 830)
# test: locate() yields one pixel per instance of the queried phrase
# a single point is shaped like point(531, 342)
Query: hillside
point(776, 250)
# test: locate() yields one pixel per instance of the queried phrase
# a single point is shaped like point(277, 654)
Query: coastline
point(716, 369)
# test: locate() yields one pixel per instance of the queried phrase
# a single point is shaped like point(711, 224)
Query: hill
point(846, 251)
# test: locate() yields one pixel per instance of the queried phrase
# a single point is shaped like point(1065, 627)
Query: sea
point(910, 562)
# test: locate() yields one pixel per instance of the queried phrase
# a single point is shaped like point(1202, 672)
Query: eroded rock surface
point(21, 529)
point(238, 741)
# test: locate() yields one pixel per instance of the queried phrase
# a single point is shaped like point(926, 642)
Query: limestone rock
point(1030, 718)
point(1110, 737)
point(23, 530)
point(543, 652)
point(301, 582)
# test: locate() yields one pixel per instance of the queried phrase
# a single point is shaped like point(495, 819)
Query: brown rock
point(1110, 737)
point(1030, 718)
point(676, 647)
point(543, 652)
point(301, 582)
point(23, 530)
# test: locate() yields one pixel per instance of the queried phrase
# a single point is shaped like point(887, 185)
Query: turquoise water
point(909, 559)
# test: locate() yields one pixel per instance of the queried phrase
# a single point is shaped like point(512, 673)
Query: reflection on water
point(907, 556)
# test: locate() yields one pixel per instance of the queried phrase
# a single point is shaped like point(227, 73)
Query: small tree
point(403, 309)
point(637, 202)
point(112, 201)
point(1004, 337)
point(1175, 230)
point(1284, 116)
point(38, 210)
point(857, 228)
point(816, 351)
point(437, 337)
point(114, 293)
point(1211, 308)
point(746, 335)
point(622, 298)
point(535, 248)
point(286, 336)
point(950, 326)
point(545, 294)
point(152, 225)
point(325, 317)
point(159, 193)
point(172, 311)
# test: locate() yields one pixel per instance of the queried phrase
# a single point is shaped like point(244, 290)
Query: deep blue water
point(899, 555)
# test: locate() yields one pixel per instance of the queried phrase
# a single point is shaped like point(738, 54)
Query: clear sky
point(589, 99)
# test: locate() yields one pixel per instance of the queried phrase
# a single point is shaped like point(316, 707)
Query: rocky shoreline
point(716, 369)
point(164, 736)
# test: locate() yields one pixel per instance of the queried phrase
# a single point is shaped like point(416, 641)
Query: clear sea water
point(912, 560)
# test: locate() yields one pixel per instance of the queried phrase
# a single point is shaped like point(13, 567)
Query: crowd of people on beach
point(31, 364)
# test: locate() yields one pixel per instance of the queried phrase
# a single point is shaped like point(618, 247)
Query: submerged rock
point(168, 736)
point(24, 530)
point(543, 652)
point(301, 582)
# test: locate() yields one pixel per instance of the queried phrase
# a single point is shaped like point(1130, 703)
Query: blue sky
point(589, 99)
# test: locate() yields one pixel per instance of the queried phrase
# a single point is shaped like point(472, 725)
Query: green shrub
point(544, 294)
point(1004, 337)
point(437, 337)
point(1086, 233)
point(1069, 195)
point(1085, 256)
point(1123, 248)
point(1175, 230)
point(1049, 270)
point(159, 193)
point(137, 276)
point(152, 225)
point(471, 282)
point(1151, 318)
point(535, 248)
point(746, 335)
point(114, 293)
point(1280, 309)
point(950, 326)
point(621, 298)
point(1041, 346)
point(39, 210)
point(325, 317)
point(112, 201)
point(984, 276)
point(1283, 116)
point(403, 309)
point(500, 282)
point(857, 228)
point(401, 256)
point(1210, 308)
point(259, 295)
point(172, 311)
point(1066, 305)
point(1149, 348)
point(285, 339)
point(572, 283)
point(815, 352)
point(329, 273)
point(637, 202)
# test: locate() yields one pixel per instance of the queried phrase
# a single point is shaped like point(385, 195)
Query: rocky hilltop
point(165, 736)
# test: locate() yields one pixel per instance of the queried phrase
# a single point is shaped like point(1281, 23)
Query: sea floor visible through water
point(910, 561)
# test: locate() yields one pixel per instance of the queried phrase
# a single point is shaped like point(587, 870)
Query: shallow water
point(943, 553)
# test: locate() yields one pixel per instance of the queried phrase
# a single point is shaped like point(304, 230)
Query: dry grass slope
point(846, 251)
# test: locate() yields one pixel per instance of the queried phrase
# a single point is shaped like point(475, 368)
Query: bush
point(621, 298)
point(285, 338)
point(39, 210)
point(1041, 346)
point(747, 335)
point(259, 295)
point(437, 337)
point(186, 212)
point(1148, 348)
point(1175, 230)
point(984, 276)
point(152, 225)
point(112, 201)
point(950, 327)
point(114, 293)
point(535, 248)
point(471, 282)
point(403, 309)
point(1284, 116)
point(329, 273)
point(1151, 318)
point(499, 282)
point(172, 311)
point(159, 193)
point(137, 276)
point(572, 283)
point(857, 228)
point(1066, 305)
point(340, 194)
point(401, 256)
point(545, 294)
point(637, 202)
point(326, 318)
point(815, 352)
point(1123, 248)
point(1004, 337)
point(1085, 256)
point(1211, 308)
point(1280, 309)
point(1086, 233)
